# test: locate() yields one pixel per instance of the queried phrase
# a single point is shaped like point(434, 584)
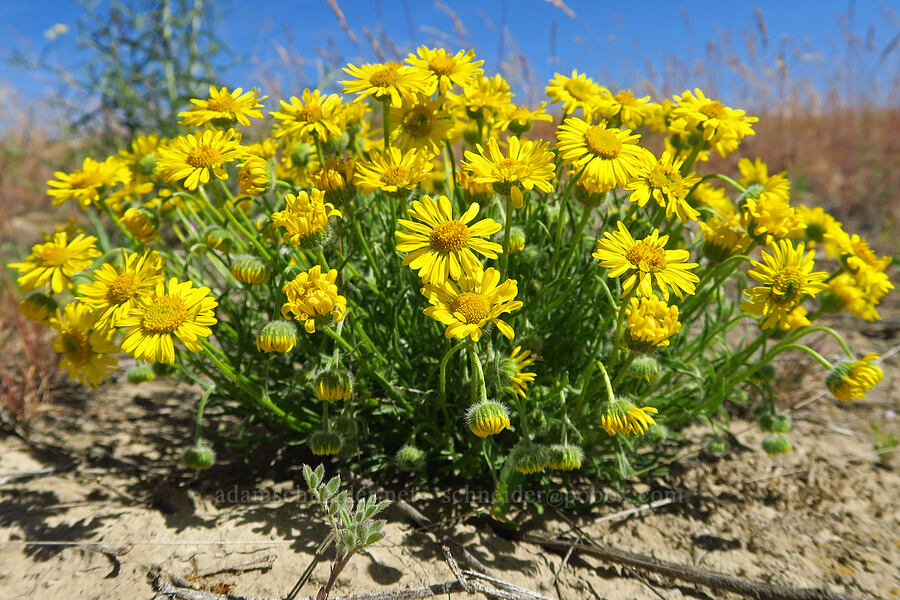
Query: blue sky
point(619, 44)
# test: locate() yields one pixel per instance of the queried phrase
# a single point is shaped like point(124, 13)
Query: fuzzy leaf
point(332, 486)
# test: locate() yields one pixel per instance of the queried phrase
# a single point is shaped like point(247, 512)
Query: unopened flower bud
point(410, 458)
point(250, 269)
point(644, 367)
point(774, 445)
point(527, 457)
point(775, 423)
point(564, 457)
point(38, 307)
point(277, 336)
point(487, 418)
point(199, 457)
point(219, 239)
point(325, 442)
point(140, 374)
point(334, 385)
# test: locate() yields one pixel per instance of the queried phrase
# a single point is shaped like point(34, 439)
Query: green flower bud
point(717, 447)
point(219, 239)
point(325, 442)
point(162, 369)
point(656, 434)
point(277, 336)
point(765, 374)
point(527, 457)
point(516, 240)
point(644, 367)
point(147, 164)
point(564, 457)
point(199, 457)
point(249, 269)
point(775, 423)
point(140, 374)
point(410, 458)
point(301, 154)
point(774, 445)
point(487, 418)
point(39, 308)
point(334, 385)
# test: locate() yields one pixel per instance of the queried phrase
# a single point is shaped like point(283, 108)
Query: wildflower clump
point(405, 272)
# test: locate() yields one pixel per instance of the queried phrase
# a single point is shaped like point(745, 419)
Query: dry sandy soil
point(825, 515)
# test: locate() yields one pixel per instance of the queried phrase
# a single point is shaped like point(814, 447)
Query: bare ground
point(825, 515)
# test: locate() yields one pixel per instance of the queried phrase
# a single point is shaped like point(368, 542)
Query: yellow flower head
point(623, 108)
point(577, 91)
point(794, 320)
point(770, 216)
point(305, 218)
point(518, 119)
point(335, 178)
point(422, 123)
point(314, 116)
point(723, 238)
point(622, 416)
point(662, 180)
point(255, 176)
point(512, 369)
point(487, 418)
point(392, 170)
point(528, 165)
point(224, 108)
point(756, 172)
point(440, 246)
point(482, 193)
point(821, 228)
point(39, 308)
point(277, 336)
point(722, 127)
point(250, 269)
point(86, 351)
point(182, 311)
point(857, 254)
point(445, 70)
point(194, 157)
point(611, 155)
point(483, 98)
point(467, 307)
point(313, 299)
point(391, 82)
point(786, 276)
point(564, 457)
point(141, 159)
point(651, 322)
point(851, 380)
point(266, 149)
point(86, 183)
point(53, 263)
point(140, 222)
point(646, 262)
point(715, 198)
point(115, 290)
point(334, 385)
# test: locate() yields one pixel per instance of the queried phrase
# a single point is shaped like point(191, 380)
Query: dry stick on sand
point(720, 581)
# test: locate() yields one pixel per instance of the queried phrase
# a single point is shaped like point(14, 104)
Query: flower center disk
point(647, 257)
point(76, 347)
point(224, 103)
point(603, 143)
point(122, 288)
point(55, 255)
point(203, 157)
point(473, 306)
point(449, 237)
point(787, 285)
point(164, 315)
point(442, 65)
point(394, 175)
point(385, 77)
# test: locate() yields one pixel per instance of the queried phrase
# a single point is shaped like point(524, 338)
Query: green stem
point(576, 241)
point(504, 258)
point(479, 391)
point(624, 368)
point(562, 211)
point(202, 405)
point(822, 360)
point(610, 396)
point(386, 121)
point(443, 371)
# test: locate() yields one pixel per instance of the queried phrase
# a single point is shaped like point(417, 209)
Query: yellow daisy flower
point(723, 238)
point(821, 228)
point(423, 123)
point(140, 222)
point(857, 253)
point(52, 264)
point(651, 322)
point(722, 127)
point(528, 165)
point(305, 218)
point(851, 380)
point(794, 320)
point(313, 299)
point(141, 158)
point(445, 70)
point(756, 172)
point(622, 416)
point(577, 91)
point(440, 246)
point(393, 170)
point(513, 370)
point(115, 291)
point(786, 276)
point(661, 180)
point(86, 351)
point(224, 107)
point(391, 82)
point(266, 149)
point(611, 155)
point(769, 216)
point(335, 178)
point(518, 119)
point(181, 311)
point(483, 98)
point(715, 198)
point(477, 300)
point(647, 261)
point(39, 308)
point(194, 157)
point(314, 116)
point(255, 176)
point(86, 183)
point(623, 108)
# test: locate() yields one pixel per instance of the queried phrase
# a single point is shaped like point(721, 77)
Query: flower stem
point(504, 258)
point(386, 120)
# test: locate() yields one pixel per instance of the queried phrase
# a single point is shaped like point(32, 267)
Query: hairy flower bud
point(487, 418)
point(199, 457)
